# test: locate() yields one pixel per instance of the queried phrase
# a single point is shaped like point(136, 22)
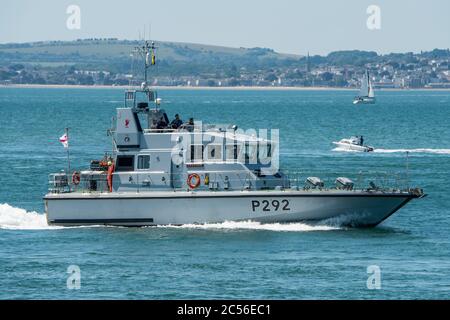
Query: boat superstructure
point(366, 93)
point(162, 172)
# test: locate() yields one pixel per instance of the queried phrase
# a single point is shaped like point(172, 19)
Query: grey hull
point(359, 209)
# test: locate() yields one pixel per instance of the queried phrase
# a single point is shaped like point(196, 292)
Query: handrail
point(159, 130)
point(237, 180)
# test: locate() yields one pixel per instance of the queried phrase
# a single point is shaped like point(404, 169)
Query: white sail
point(371, 92)
point(364, 86)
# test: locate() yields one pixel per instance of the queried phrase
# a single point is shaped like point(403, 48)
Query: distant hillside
point(114, 55)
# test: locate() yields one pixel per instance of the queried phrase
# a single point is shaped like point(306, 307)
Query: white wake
point(252, 225)
point(418, 150)
point(341, 149)
point(20, 219)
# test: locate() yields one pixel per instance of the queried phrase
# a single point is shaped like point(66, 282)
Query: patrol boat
point(158, 174)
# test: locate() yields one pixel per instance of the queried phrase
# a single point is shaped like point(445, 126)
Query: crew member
point(162, 124)
point(190, 125)
point(176, 123)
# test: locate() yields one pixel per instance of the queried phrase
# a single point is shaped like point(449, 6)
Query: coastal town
point(418, 72)
point(28, 64)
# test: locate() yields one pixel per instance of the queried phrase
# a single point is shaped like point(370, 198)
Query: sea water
point(230, 260)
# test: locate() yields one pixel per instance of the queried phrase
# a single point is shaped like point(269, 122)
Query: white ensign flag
point(64, 140)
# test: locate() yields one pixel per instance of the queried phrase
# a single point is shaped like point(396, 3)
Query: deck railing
point(242, 180)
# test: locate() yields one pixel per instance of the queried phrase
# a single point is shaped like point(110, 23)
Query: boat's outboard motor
point(344, 183)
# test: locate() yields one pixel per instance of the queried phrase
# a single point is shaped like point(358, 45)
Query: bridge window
point(125, 163)
point(197, 152)
point(251, 153)
point(232, 151)
point(143, 162)
point(214, 152)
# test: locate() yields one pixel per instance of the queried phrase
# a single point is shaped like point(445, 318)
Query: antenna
point(149, 31)
point(66, 131)
point(407, 169)
point(147, 52)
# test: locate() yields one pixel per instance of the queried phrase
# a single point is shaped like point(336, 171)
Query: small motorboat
point(355, 143)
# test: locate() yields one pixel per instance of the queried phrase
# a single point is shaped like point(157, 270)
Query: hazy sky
point(291, 26)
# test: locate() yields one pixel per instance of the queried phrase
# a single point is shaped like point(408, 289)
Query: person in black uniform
point(176, 123)
point(190, 125)
point(162, 124)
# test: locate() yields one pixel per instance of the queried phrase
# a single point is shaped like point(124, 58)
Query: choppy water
point(230, 260)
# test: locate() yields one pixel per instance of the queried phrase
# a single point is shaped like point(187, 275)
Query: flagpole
point(68, 153)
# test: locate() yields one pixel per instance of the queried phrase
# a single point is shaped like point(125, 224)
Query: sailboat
point(366, 94)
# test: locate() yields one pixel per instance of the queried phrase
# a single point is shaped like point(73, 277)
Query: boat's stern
point(46, 209)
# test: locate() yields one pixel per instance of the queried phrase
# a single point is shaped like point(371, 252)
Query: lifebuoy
point(193, 180)
point(109, 178)
point(75, 177)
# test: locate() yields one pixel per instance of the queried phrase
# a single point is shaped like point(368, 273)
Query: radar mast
point(147, 53)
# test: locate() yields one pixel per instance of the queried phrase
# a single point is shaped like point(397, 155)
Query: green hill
point(114, 55)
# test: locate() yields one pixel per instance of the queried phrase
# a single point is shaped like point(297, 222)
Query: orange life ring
point(109, 178)
point(196, 178)
point(76, 178)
